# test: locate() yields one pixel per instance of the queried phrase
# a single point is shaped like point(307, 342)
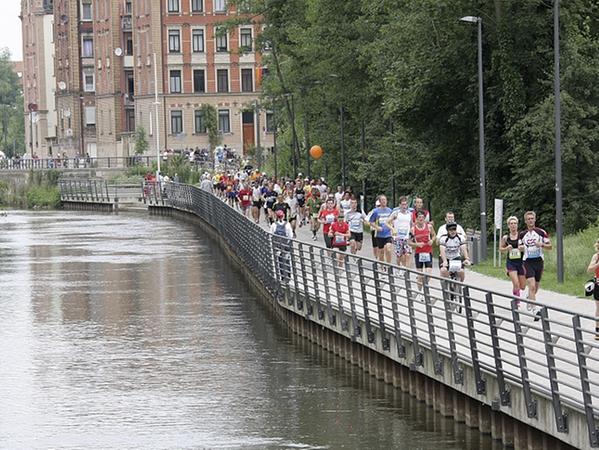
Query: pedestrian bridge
point(467, 351)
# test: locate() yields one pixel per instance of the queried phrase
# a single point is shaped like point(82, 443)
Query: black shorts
point(596, 291)
point(301, 203)
point(419, 265)
point(341, 248)
point(328, 240)
point(257, 204)
point(358, 237)
point(381, 242)
point(533, 268)
point(374, 240)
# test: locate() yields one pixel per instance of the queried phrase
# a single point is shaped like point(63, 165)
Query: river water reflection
point(134, 332)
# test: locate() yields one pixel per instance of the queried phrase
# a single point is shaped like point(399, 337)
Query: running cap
point(280, 213)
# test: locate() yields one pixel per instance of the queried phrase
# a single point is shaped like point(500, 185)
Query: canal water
point(129, 331)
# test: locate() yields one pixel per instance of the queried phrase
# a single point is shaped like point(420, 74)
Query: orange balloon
point(316, 152)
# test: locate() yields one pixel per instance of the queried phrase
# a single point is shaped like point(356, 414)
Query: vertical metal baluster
point(343, 319)
point(418, 355)
point(504, 394)
point(401, 349)
point(356, 330)
point(437, 360)
point(369, 332)
point(293, 269)
point(327, 291)
point(319, 311)
point(531, 404)
point(458, 372)
point(481, 382)
point(561, 419)
point(277, 266)
point(379, 307)
point(587, 398)
point(304, 277)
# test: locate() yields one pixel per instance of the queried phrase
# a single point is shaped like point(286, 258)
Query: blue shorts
point(515, 266)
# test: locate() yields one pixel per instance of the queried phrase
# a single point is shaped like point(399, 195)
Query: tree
point(12, 139)
point(141, 141)
point(211, 122)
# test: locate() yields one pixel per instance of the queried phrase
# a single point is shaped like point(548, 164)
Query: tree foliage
point(12, 137)
point(141, 141)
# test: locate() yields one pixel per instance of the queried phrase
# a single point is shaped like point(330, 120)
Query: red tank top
point(422, 235)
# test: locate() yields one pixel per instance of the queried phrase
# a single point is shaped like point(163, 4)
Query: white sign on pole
point(498, 213)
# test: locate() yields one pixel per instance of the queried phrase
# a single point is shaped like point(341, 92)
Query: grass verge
point(578, 250)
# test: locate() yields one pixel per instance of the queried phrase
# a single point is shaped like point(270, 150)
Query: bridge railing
point(75, 163)
point(97, 190)
point(556, 357)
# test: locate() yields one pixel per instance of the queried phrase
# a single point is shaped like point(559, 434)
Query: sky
point(10, 28)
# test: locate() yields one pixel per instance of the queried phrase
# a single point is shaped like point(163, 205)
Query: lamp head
point(470, 19)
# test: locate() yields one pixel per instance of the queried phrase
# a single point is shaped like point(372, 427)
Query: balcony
point(126, 23)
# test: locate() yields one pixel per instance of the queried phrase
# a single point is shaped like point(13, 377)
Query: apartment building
point(38, 76)
point(124, 64)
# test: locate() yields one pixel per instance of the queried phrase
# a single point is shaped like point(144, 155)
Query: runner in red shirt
point(339, 234)
point(327, 216)
point(422, 236)
point(245, 199)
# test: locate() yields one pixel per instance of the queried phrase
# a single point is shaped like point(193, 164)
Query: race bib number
point(424, 257)
point(514, 253)
point(330, 218)
point(455, 265)
point(534, 252)
point(339, 239)
point(245, 198)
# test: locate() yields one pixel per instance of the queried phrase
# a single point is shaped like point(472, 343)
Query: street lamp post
point(156, 104)
point(558, 149)
point(481, 136)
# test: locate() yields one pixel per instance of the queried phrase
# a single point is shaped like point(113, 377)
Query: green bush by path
point(43, 197)
point(578, 250)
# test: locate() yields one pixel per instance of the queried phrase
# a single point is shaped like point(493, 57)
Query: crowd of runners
point(405, 234)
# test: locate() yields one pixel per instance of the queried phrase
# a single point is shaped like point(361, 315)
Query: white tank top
point(402, 224)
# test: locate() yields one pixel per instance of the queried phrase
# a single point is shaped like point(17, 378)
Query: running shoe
point(537, 313)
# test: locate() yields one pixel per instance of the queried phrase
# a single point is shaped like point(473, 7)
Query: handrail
point(555, 358)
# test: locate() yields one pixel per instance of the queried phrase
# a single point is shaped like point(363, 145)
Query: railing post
point(418, 355)
point(319, 311)
point(379, 307)
point(587, 398)
point(504, 394)
point(481, 383)
point(327, 291)
point(369, 333)
point(401, 349)
point(458, 371)
point(561, 419)
point(531, 404)
point(356, 330)
point(438, 361)
point(343, 319)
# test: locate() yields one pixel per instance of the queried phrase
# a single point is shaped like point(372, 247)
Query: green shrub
point(43, 197)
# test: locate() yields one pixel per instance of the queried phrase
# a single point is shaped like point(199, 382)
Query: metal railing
point(556, 357)
point(74, 163)
point(98, 191)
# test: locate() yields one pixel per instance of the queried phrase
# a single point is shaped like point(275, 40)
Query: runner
point(422, 237)
point(454, 253)
point(375, 246)
point(594, 269)
point(291, 200)
point(257, 201)
point(270, 197)
point(328, 215)
point(300, 198)
point(339, 233)
point(282, 244)
point(534, 240)
point(419, 206)
point(245, 199)
point(378, 221)
point(281, 205)
point(339, 194)
point(511, 245)
point(450, 218)
point(344, 203)
point(400, 222)
point(314, 203)
point(356, 221)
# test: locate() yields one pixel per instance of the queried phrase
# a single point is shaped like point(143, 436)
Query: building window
point(197, 6)
point(176, 122)
point(221, 40)
point(86, 10)
point(200, 122)
point(89, 82)
point(245, 41)
point(128, 7)
point(87, 50)
point(197, 40)
point(129, 44)
point(175, 81)
point(270, 122)
point(174, 41)
point(90, 116)
point(199, 81)
point(224, 125)
point(130, 119)
point(222, 80)
point(220, 5)
point(247, 80)
point(174, 6)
